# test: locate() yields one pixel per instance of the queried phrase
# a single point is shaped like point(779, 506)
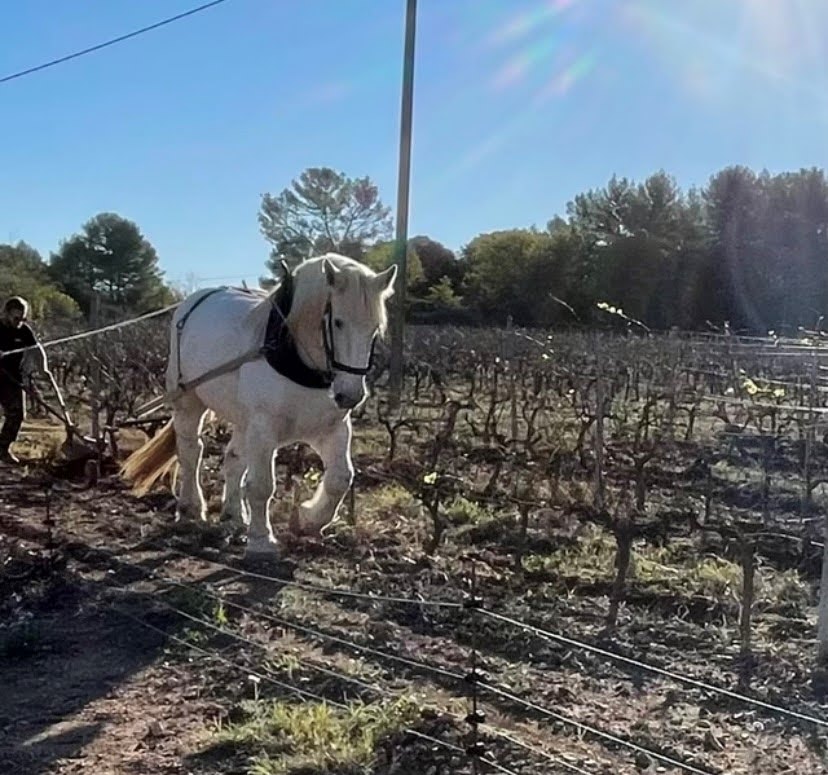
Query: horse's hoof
point(261, 549)
point(190, 515)
point(235, 533)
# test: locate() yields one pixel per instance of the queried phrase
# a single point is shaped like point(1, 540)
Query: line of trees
point(109, 257)
point(747, 249)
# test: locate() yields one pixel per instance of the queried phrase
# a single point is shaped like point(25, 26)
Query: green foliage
point(381, 256)
point(315, 737)
point(438, 263)
point(323, 210)
point(462, 511)
point(769, 238)
point(23, 273)
point(749, 249)
point(442, 294)
point(521, 273)
point(112, 258)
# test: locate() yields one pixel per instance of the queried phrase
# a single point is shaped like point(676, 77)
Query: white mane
point(311, 291)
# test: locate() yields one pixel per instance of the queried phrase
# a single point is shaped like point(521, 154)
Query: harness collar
point(280, 349)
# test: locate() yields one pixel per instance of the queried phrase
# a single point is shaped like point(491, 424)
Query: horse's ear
point(332, 274)
point(385, 281)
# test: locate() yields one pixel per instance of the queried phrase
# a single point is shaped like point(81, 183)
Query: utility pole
point(395, 379)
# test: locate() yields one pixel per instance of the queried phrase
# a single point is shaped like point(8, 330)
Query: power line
point(112, 42)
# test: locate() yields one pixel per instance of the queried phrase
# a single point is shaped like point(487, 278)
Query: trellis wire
point(546, 634)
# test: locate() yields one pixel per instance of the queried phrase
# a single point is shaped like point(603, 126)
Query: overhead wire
point(111, 41)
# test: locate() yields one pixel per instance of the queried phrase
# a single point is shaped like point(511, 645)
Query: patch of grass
point(196, 603)
point(591, 558)
point(461, 511)
point(676, 569)
point(316, 738)
point(387, 499)
point(370, 440)
point(40, 440)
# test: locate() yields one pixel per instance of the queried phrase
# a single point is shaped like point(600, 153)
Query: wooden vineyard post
point(598, 494)
point(810, 436)
point(95, 385)
point(748, 557)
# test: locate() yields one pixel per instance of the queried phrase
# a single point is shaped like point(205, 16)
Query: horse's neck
point(304, 319)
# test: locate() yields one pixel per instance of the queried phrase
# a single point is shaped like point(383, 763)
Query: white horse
point(297, 358)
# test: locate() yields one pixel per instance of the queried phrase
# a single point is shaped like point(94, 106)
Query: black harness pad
point(279, 347)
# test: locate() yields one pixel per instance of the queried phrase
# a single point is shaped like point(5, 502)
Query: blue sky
point(519, 105)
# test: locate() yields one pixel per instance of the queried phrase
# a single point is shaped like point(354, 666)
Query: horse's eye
point(338, 323)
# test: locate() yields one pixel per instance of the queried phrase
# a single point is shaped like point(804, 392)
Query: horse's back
point(211, 328)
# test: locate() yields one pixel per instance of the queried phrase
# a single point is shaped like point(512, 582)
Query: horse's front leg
point(258, 492)
point(321, 509)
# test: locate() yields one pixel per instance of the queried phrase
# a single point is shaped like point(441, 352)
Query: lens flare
point(708, 48)
point(521, 65)
point(566, 79)
point(526, 22)
point(545, 59)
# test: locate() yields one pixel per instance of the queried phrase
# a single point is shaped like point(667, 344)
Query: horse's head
point(351, 299)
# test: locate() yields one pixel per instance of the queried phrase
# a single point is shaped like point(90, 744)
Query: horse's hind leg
point(188, 418)
point(234, 466)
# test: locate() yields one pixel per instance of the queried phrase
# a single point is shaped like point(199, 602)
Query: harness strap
point(218, 371)
point(179, 326)
point(330, 355)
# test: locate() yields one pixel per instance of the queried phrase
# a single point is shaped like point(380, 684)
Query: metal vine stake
point(475, 717)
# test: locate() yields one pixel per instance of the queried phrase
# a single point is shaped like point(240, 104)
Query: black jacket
point(13, 339)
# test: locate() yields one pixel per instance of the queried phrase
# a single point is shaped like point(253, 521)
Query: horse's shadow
point(74, 646)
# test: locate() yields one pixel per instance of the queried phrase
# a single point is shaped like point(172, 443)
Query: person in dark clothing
point(14, 334)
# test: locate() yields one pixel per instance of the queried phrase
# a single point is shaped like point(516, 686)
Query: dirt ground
point(99, 674)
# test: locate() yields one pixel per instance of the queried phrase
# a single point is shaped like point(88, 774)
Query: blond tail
point(144, 467)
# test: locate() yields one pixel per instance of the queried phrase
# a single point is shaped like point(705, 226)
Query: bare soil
point(96, 679)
